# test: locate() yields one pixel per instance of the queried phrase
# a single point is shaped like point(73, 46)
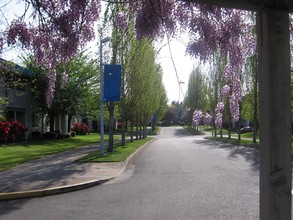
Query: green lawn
point(246, 138)
point(14, 154)
point(156, 131)
point(192, 131)
point(119, 154)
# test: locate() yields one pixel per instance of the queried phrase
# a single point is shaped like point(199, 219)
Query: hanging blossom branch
point(63, 28)
point(219, 114)
point(226, 31)
point(212, 29)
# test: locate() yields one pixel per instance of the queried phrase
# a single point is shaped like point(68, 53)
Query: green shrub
point(73, 133)
point(50, 135)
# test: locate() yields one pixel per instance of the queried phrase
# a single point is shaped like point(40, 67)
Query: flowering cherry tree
point(207, 119)
point(219, 114)
point(197, 118)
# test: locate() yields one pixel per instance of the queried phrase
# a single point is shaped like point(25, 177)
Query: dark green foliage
point(50, 136)
point(73, 133)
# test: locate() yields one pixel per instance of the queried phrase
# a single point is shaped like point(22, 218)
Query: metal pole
point(102, 94)
point(101, 100)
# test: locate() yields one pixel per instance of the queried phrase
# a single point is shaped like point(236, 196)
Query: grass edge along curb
point(94, 157)
point(12, 155)
point(192, 131)
point(74, 187)
point(242, 142)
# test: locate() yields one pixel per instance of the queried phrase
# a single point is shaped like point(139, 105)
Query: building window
point(16, 115)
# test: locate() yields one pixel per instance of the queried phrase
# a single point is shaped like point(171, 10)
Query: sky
point(183, 63)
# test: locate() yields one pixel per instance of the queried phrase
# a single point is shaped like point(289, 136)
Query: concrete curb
point(70, 188)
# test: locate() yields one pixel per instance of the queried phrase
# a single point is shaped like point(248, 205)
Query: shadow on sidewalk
point(44, 172)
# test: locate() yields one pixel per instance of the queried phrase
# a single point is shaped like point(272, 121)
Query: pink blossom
point(197, 117)
point(18, 30)
point(225, 91)
point(220, 107)
point(51, 88)
point(219, 114)
point(154, 18)
point(63, 27)
point(234, 107)
point(207, 119)
point(121, 21)
point(218, 120)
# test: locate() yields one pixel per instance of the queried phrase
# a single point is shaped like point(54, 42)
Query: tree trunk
point(240, 122)
point(136, 129)
point(131, 129)
point(42, 124)
point(52, 121)
point(123, 132)
point(145, 130)
point(69, 123)
point(255, 100)
point(215, 129)
point(229, 127)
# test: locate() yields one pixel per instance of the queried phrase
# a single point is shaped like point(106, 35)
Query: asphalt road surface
point(178, 176)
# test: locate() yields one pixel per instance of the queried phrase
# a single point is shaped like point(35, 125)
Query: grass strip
point(14, 154)
point(120, 153)
point(156, 131)
point(193, 131)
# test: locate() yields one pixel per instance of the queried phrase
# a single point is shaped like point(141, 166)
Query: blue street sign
point(112, 83)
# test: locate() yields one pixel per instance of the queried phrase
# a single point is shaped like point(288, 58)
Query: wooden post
point(275, 121)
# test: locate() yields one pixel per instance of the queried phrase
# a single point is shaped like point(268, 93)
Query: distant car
point(246, 129)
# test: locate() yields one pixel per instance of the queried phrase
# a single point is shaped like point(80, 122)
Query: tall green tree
point(78, 96)
point(215, 83)
point(250, 102)
point(145, 93)
point(196, 96)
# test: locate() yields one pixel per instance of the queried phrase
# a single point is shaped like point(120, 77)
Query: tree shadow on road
point(251, 155)
point(180, 132)
point(11, 206)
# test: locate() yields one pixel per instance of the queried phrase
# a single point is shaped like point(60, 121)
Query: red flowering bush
point(11, 131)
point(80, 128)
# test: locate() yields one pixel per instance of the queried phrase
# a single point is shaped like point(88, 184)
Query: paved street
point(178, 176)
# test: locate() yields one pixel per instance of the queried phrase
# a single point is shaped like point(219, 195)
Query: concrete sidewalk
point(57, 173)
